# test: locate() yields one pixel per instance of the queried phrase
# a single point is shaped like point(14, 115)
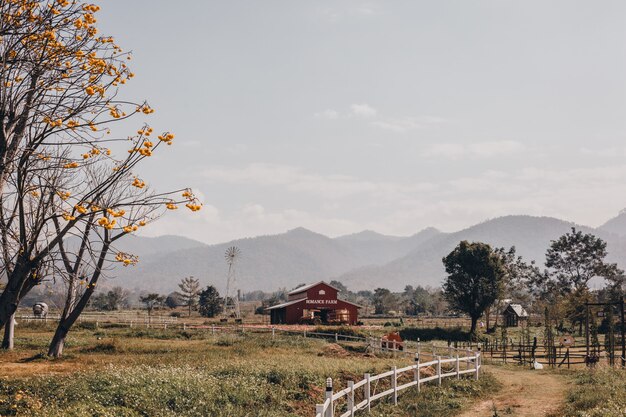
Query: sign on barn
point(314, 304)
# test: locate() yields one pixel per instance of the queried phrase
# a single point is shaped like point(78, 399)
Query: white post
point(367, 391)
point(476, 365)
point(273, 331)
point(418, 345)
point(393, 348)
point(131, 324)
point(458, 374)
point(439, 370)
point(336, 338)
point(416, 374)
point(164, 326)
point(184, 326)
point(319, 410)
point(351, 398)
point(305, 333)
point(212, 329)
point(329, 394)
point(394, 385)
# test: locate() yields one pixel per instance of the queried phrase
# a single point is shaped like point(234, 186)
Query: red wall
point(326, 300)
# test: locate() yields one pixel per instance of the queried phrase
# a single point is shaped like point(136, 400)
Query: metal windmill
point(231, 298)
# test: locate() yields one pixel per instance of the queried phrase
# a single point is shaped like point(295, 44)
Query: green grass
point(150, 372)
point(447, 400)
point(599, 393)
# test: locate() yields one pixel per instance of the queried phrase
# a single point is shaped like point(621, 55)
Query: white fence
point(129, 319)
point(327, 409)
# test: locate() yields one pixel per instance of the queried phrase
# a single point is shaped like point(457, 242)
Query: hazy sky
point(393, 116)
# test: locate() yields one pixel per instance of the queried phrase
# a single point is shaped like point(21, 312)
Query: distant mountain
point(363, 260)
point(616, 225)
point(150, 246)
point(376, 249)
point(530, 235)
point(267, 262)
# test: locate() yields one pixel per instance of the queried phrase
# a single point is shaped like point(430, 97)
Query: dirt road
point(524, 392)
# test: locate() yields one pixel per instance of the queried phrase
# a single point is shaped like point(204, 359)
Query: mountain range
point(364, 260)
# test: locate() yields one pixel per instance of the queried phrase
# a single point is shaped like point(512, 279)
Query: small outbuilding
point(514, 315)
point(314, 304)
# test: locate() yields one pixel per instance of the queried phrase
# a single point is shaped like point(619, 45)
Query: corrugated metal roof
point(518, 309)
point(288, 303)
point(306, 287)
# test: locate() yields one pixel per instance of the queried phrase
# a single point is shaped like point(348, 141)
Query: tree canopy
point(475, 276)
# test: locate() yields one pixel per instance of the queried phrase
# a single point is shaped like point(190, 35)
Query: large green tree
point(210, 304)
point(575, 258)
point(475, 277)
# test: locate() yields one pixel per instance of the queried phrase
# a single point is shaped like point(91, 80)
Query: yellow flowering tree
point(61, 170)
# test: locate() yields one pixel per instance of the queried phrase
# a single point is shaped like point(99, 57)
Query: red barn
point(314, 304)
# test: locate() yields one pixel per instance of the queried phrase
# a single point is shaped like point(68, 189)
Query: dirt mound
point(333, 349)
point(427, 371)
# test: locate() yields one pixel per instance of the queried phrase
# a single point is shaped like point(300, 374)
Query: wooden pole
point(623, 335)
point(416, 375)
point(351, 398)
point(394, 385)
point(439, 370)
point(329, 394)
point(367, 391)
point(587, 327)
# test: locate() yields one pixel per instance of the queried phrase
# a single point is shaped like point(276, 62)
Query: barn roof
point(288, 303)
point(306, 287)
point(518, 310)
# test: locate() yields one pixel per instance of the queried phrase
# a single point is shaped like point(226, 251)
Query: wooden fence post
point(439, 370)
point(476, 362)
point(351, 398)
point(416, 374)
point(394, 385)
point(458, 370)
point(367, 391)
point(329, 394)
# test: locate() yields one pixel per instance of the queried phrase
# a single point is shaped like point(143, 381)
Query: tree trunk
point(58, 341)
point(473, 327)
point(487, 317)
point(9, 331)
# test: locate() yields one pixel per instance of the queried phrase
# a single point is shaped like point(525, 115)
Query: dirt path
point(524, 393)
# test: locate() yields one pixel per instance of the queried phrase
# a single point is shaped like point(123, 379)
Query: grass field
point(122, 371)
point(148, 372)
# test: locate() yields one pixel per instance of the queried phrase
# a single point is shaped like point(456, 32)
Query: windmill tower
point(231, 298)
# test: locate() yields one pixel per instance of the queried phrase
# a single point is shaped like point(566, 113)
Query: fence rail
point(346, 397)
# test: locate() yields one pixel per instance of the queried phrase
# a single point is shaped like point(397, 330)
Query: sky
point(341, 116)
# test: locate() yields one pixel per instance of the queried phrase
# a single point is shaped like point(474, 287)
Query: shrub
point(453, 334)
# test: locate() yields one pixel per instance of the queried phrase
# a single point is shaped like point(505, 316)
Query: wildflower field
point(146, 372)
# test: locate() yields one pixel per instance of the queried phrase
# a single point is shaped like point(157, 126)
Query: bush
point(342, 330)
point(452, 334)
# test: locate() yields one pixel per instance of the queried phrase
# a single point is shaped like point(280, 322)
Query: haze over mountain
point(363, 260)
